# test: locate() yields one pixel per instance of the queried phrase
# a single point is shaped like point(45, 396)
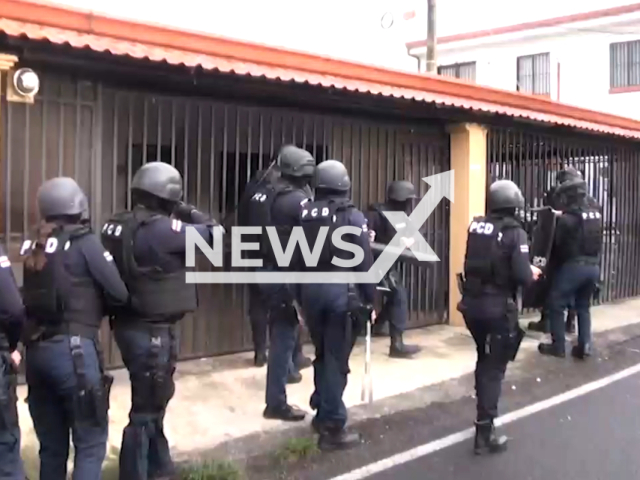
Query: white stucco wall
point(581, 53)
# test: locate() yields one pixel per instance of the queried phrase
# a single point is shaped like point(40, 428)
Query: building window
point(625, 64)
point(534, 74)
point(463, 71)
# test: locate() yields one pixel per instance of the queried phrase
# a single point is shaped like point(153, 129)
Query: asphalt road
point(592, 437)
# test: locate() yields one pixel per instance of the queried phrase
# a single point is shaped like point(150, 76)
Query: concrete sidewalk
point(219, 401)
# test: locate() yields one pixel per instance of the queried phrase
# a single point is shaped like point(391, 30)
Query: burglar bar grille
point(101, 136)
point(611, 169)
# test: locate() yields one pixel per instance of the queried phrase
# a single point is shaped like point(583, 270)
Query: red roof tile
point(81, 29)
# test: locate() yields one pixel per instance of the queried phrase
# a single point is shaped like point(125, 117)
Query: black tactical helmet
point(159, 179)
point(567, 174)
point(332, 175)
point(504, 194)
point(295, 162)
point(60, 196)
point(401, 191)
point(571, 192)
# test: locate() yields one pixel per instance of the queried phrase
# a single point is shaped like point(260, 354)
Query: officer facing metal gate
point(577, 249)
point(279, 205)
point(11, 324)
point(251, 214)
point(395, 309)
point(149, 249)
point(332, 309)
point(496, 264)
point(543, 241)
point(70, 283)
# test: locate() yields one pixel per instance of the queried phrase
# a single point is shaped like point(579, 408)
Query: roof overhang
point(84, 29)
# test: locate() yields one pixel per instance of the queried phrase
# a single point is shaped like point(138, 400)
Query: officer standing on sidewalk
point(11, 324)
point(280, 207)
point(577, 248)
point(329, 307)
point(70, 282)
point(251, 213)
point(496, 265)
point(395, 309)
point(148, 244)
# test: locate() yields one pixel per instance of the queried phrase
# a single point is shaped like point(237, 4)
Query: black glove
point(183, 212)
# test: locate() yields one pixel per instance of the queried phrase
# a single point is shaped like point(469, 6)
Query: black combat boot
point(486, 440)
point(302, 362)
point(286, 413)
point(399, 349)
point(332, 439)
point(581, 352)
point(552, 350)
point(570, 325)
point(293, 378)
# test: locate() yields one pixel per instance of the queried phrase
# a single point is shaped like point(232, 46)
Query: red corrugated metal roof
point(43, 21)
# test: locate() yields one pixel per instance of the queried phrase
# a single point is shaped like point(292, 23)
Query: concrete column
point(469, 162)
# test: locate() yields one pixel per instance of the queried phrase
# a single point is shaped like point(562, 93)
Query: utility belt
point(34, 333)
point(153, 387)
point(475, 287)
point(8, 393)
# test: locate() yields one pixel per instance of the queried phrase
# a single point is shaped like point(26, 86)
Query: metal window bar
point(534, 74)
point(611, 168)
point(462, 71)
point(216, 146)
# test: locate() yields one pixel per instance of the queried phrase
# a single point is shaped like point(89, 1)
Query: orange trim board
point(46, 21)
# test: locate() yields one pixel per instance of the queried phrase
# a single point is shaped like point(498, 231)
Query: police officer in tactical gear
point(577, 249)
point(333, 311)
point(488, 304)
point(262, 184)
point(552, 201)
point(148, 244)
point(70, 283)
point(11, 324)
point(395, 310)
point(279, 206)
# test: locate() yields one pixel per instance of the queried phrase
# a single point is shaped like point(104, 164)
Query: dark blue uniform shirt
point(12, 313)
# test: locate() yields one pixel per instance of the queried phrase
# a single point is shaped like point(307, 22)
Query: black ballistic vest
point(155, 294)
point(487, 263)
point(589, 235)
point(327, 215)
point(53, 297)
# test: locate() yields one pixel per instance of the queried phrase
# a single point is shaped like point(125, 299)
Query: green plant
point(296, 449)
point(211, 470)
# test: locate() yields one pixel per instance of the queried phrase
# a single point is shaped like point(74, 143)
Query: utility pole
point(432, 62)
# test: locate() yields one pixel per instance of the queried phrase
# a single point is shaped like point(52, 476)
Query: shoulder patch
point(107, 256)
point(176, 225)
point(4, 262)
point(524, 248)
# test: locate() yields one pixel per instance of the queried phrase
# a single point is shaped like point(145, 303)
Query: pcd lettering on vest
point(482, 228)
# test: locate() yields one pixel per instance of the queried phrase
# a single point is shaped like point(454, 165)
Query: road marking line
point(436, 445)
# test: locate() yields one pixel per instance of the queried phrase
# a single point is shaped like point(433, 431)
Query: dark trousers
point(325, 307)
point(147, 352)
point(395, 310)
point(11, 467)
point(574, 281)
point(258, 318)
point(53, 384)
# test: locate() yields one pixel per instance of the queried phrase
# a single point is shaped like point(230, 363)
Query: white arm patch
point(176, 225)
point(524, 248)
point(4, 262)
point(107, 256)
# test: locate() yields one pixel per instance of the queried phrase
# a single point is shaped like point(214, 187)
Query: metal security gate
point(101, 136)
point(611, 168)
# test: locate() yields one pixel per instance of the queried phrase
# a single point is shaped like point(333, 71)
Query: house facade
point(116, 94)
point(588, 59)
